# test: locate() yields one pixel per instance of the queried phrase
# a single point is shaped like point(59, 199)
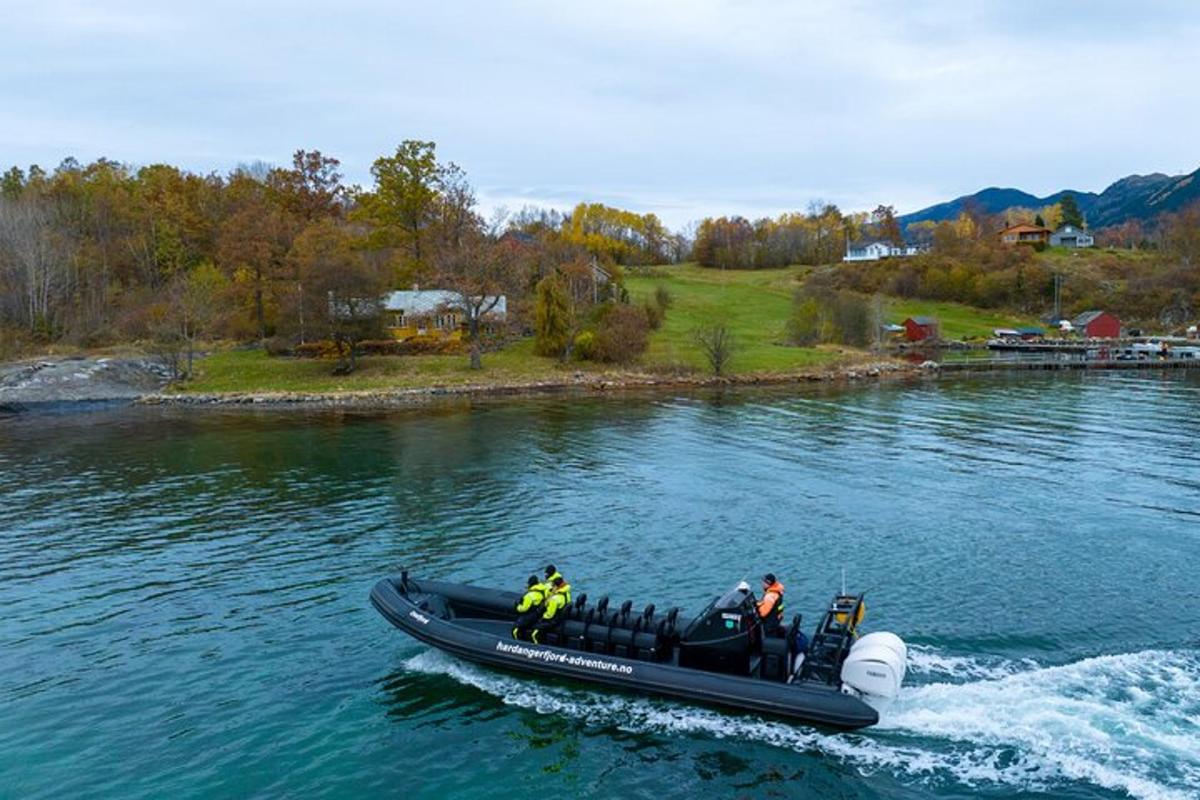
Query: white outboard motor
point(874, 669)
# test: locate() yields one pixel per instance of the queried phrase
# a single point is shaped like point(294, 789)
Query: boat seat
point(622, 642)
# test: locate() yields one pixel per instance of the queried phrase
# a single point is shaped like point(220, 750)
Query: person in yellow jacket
point(529, 607)
point(552, 613)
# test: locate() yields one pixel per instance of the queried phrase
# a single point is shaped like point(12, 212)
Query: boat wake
point(1127, 722)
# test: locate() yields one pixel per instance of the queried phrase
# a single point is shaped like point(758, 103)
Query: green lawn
point(754, 304)
point(255, 371)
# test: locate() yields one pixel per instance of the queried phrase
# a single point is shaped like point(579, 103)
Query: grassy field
point(754, 304)
point(254, 370)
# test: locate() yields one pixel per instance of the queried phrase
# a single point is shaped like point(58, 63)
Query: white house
point(873, 251)
point(1070, 236)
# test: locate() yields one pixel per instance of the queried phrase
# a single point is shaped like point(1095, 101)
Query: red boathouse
point(918, 329)
point(1098, 325)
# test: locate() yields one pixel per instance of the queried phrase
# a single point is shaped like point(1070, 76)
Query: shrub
point(585, 346)
point(623, 334)
point(428, 346)
point(662, 297)
point(278, 346)
point(654, 315)
point(718, 346)
point(840, 317)
point(323, 348)
point(806, 326)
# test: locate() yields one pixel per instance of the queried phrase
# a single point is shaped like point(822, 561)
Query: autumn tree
point(619, 236)
point(312, 189)
point(481, 271)
point(408, 186)
point(884, 218)
point(343, 288)
point(253, 242)
point(194, 307)
point(36, 260)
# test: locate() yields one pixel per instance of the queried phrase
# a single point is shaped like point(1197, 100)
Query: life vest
point(770, 608)
point(557, 600)
point(534, 596)
point(842, 615)
point(549, 582)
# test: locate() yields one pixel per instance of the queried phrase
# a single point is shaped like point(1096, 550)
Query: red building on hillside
point(1098, 325)
point(918, 329)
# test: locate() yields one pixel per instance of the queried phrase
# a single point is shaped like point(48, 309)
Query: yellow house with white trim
point(433, 313)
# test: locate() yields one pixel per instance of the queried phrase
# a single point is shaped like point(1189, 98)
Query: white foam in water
point(926, 660)
point(1126, 722)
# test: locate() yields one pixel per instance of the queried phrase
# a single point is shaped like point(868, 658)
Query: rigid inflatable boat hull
point(821, 704)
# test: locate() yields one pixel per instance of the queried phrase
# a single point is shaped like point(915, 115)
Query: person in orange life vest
point(770, 607)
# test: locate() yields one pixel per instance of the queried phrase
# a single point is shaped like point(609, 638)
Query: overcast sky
point(683, 108)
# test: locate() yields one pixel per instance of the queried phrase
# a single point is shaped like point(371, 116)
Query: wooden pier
point(990, 365)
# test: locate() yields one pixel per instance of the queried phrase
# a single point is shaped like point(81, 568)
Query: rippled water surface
point(183, 595)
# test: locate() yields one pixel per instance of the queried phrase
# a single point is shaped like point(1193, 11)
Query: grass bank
point(754, 304)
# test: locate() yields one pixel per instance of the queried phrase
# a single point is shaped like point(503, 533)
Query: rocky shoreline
point(580, 383)
point(57, 381)
point(79, 379)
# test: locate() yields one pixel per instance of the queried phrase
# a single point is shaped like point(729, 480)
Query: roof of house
point(428, 301)
point(863, 244)
point(1087, 317)
point(1031, 331)
point(1025, 227)
point(922, 320)
point(520, 237)
point(1070, 229)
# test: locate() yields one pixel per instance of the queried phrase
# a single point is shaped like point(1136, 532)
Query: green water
point(183, 595)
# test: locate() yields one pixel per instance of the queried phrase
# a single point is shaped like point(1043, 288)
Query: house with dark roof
point(1024, 233)
point(1098, 325)
point(1070, 236)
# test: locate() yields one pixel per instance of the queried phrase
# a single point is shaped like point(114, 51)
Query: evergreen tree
point(1041, 223)
point(1071, 214)
point(553, 319)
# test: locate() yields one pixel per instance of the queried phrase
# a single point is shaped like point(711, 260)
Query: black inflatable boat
point(720, 657)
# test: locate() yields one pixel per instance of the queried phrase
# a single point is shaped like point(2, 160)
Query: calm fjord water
point(183, 595)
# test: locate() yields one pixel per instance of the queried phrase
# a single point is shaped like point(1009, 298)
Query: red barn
point(918, 329)
point(1098, 325)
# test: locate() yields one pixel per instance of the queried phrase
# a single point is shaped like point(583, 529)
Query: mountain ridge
point(1134, 197)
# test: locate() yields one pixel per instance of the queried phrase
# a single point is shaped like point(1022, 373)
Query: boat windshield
point(731, 600)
